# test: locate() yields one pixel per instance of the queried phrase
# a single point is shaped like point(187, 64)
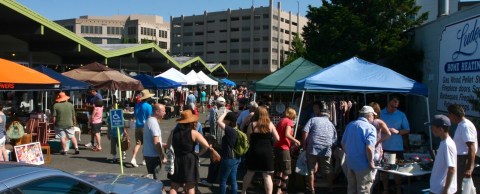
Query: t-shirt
point(191, 98)
point(143, 110)
point(242, 117)
point(284, 143)
point(396, 120)
point(228, 141)
point(152, 129)
point(63, 113)
point(97, 115)
point(3, 130)
point(358, 134)
point(92, 99)
point(464, 133)
point(203, 96)
point(446, 157)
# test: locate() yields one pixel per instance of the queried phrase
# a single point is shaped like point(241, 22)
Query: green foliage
point(373, 30)
point(298, 50)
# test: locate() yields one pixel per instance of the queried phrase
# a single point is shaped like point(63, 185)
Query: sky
point(67, 9)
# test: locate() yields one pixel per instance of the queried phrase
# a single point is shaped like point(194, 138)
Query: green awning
point(283, 80)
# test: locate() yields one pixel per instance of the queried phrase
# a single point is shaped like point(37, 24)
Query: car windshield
point(57, 184)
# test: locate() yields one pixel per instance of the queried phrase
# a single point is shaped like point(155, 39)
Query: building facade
point(250, 43)
point(120, 29)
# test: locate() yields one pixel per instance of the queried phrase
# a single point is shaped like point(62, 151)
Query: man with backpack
point(234, 145)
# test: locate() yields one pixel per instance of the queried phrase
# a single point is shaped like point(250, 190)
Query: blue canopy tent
point(357, 75)
point(156, 83)
point(66, 83)
point(228, 82)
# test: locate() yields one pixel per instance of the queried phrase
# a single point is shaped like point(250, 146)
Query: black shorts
point(96, 127)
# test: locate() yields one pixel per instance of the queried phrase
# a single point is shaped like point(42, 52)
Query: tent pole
point(428, 119)
point(255, 97)
point(46, 97)
point(299, 111)
point(293, 99)
point(364, 98)
point(108, 94)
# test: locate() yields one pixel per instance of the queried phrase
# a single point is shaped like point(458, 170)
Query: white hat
point(367, 109)
point(220, 100)
point(253, 104)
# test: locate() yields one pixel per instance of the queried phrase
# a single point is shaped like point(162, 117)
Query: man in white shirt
point(443, 178)
point(152, 146)
point(465, 139)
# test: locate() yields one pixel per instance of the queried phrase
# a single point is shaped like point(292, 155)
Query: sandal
point(96, 149)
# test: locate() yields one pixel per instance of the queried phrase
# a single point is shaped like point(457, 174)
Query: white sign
point(459, 65)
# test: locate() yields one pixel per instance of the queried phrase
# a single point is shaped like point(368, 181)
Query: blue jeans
point(228, 169)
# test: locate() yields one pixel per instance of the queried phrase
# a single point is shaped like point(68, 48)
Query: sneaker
point(89, 145)
point(77, 151)
point(124, 156)
point(63, 153)
point(143, 163)
point(205, 183)
point(134, 162)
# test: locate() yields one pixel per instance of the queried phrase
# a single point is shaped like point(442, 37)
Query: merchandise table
point(407, 174)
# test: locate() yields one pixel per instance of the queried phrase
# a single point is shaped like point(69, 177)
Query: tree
point(374, 30)
point(297, 50)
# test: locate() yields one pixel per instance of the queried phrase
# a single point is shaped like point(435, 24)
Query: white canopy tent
point(193, 76)
point(177, 76)
point(206, 79)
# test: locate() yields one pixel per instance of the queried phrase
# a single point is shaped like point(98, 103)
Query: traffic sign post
point(117, 121)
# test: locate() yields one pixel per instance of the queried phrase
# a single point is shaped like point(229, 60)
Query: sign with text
point(116, 118)
point(459, 65)
point(29, 153)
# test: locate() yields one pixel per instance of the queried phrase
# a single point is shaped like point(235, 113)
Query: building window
point(256, 61)
point(287, 42)
point(246, 39)
point(245, 62)
point(114, 30)
point(274, 62)
point(210, 21)
point(234, 40)
point(256, 50)
point(246, 50)
point(94, 40)
point(233, 62)
point(265, 38)
point(282, 19)
point(246, 28)
point(294, 33)
point(233, 50)
point(281, 30)
point(275, 28)
point(274, 39)
point(188, 24)
point(264, 61)
point(223, 30)
point(256, 39)
point(257, 17)
point(177, 35)
point(234, 18)
point(211, 31)
point(198, 43)
point(266, 15)
point(223, 41)
point(114, 41)
point(198, 53)
point(223, 20)
point(198, 33)
point(275, 17)
point(91, 29)
point(287, 21)
point(245, 17)
point(148, 31)
point(294, 23)
point(265, 27)
point(187, 44)
point(162, 44)
point(163, 34)
point(256, 28)
point(287, 32)
point(265, 50)
point(210, 52)
point(210, 42)
point(71, 28)
point(234, 29)
point(188, 34)
point(222, 52)
point(274, 50)
point(198, 23)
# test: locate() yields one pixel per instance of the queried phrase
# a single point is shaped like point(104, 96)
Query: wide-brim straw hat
point(62, 97)
point(146, 94)
point(187, 117)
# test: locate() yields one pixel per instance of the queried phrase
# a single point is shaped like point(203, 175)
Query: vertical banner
point(459, 65)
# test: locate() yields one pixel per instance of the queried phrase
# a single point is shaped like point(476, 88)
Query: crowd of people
point(364, 141)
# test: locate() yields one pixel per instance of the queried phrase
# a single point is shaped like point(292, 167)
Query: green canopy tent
point(283, 80)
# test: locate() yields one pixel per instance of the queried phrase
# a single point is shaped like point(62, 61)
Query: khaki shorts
point(283, 162)
point(324, 164)
point(64, 132)
point(139, 136)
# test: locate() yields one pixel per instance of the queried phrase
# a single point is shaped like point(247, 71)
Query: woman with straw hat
point(183, 139)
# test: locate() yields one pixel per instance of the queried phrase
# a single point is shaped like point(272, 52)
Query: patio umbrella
point(102, 77)
point(16, 77)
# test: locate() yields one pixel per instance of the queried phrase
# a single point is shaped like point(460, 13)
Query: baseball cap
point(367, 109)
point(440, 120)
point(253, 104)
point(220, 100)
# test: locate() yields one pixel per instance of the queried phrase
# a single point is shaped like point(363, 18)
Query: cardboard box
point(56, 146)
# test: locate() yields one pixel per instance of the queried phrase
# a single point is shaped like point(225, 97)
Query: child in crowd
point(97, 123)
point(112, 135)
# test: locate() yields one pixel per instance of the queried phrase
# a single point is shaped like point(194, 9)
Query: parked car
point(31, 179)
